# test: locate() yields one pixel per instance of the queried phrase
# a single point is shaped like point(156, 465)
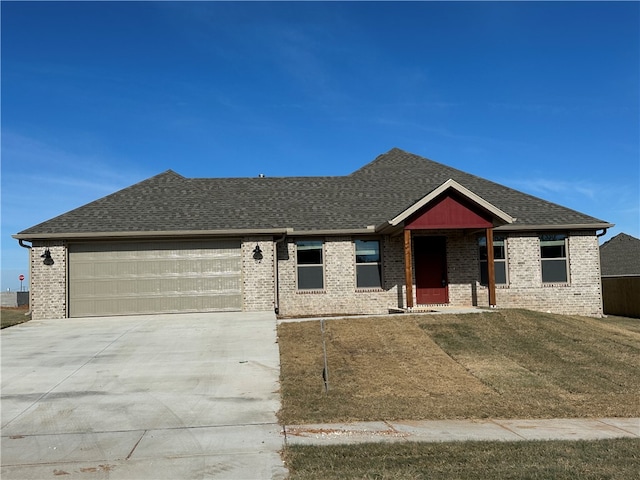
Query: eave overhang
point(80, 236)
point(563, 226)
point(149, 234)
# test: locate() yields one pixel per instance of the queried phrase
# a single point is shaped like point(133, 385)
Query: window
point(499, 260)
point(553, 257)
point(310, 264)
point(368, 267)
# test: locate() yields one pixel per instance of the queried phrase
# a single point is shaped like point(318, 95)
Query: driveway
point(184, 396)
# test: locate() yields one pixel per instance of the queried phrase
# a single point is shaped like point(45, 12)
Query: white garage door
point(123, 278)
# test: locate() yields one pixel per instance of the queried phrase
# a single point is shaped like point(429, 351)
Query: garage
point(127, 278)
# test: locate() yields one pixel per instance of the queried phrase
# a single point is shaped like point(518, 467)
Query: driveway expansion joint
point(136, 445)
point(497, 422)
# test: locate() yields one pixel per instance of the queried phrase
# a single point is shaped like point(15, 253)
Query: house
point(401, 233)
point(620, 260)
point(620, 255)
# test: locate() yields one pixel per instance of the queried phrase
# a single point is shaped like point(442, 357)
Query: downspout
point(598, 235)
point(276, 293)
point(28, 247)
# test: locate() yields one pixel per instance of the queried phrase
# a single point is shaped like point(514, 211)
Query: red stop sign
point(21, 277)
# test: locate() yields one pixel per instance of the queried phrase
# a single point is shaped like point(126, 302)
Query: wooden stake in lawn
point(325, 370)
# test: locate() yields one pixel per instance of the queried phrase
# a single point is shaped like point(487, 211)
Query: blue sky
point(96, 96)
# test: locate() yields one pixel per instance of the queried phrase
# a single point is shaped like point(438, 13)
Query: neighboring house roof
point(620, 255)
point(371, 196)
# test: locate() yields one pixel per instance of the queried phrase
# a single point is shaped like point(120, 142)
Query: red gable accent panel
point(449, 211)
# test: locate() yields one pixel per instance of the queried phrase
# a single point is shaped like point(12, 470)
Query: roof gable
point(449, 211)
point(450, 205)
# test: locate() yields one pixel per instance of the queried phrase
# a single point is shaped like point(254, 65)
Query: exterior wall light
point(257, 253)
point(47, 257)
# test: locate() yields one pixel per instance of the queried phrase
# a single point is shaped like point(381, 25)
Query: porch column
point(491, 268)
point(408, 268)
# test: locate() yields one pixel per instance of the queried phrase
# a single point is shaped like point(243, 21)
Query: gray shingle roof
point(372, 195)
point(620, 255)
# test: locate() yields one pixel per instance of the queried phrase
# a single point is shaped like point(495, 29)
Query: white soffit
point(460, 189)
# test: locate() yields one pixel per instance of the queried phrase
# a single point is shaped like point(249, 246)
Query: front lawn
point(504, 364)
point(604, 459)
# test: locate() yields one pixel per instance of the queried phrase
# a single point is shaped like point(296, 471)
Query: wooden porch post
point(491, 269)
point(408, 268)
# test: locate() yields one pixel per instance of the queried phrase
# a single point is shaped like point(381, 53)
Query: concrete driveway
point(184, 396)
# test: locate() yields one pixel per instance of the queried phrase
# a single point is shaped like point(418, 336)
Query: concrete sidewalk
point(463, 430)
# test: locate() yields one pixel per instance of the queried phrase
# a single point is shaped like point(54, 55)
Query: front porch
point(442, 269)
point(441, 259)
point(429, 255)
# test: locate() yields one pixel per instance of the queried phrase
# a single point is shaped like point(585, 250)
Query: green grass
point(13, 316)
point(558, 460)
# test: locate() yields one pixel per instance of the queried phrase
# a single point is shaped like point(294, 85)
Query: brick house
point(401, 233)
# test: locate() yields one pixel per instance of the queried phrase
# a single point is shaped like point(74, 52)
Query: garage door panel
point(158, 267)
point(144, 304)
point(162, 286)
point(118, 278)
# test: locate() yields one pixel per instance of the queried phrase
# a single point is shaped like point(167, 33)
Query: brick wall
point(340, 295)
point(393, 271)
point(463, 269)
point(48, 282)
point(582, 295)
point(258, 275)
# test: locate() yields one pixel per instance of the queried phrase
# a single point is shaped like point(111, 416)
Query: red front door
point(430, 254)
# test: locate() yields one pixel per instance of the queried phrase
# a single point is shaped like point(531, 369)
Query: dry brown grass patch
point(10, 316)
point(559, 460)
point(502, 364)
